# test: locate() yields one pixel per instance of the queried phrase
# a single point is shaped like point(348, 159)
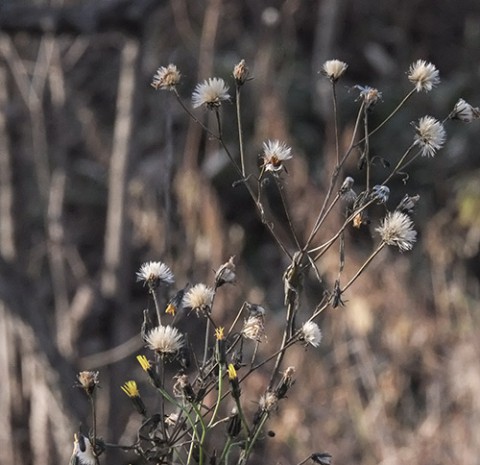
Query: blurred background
point(99, 173)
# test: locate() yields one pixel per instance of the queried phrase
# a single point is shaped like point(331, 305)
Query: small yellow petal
point(145, 364)
point(220, 333)
point(171, 310)
point(232, 373)
point(130, 388)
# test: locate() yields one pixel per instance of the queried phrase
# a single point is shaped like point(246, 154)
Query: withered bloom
point(322, 458)
point(285, 383)
point(183, 388)
point(225, 274)
point(240, 73)
point(88, 381)
point(166, 78)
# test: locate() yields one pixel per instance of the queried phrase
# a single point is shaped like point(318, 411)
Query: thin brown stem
point(362, 268)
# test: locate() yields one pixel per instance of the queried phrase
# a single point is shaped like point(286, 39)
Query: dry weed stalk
point(181, 431)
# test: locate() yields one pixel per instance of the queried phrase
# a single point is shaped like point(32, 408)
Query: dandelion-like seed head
point(165, 340)
point(397, 229)
point(334, 69)
point(88, 381)
point(423, 75)
point(274, 154)
point(268, 402)
point(199, 298)
point(166, 78)
point(154, 273)
point(254, 328)
point(464, 112)
point(311, 334)
point(211, 93)
point(430, 136)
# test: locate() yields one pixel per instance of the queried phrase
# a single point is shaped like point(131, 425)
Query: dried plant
point(203, 416)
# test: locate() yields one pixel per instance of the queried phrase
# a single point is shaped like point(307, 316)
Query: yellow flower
point(170, 310)
point(219, 333)
point(145, 364)
point(130, 388)
point(232, 373)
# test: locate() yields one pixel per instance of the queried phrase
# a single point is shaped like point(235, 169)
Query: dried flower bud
point(254, 328)
point(234, 424)
point(369, 95)
point(322, 458)
point(346, 192)
point(254, 309)
point(88, 381)
point(225, 274)
point(407, 204)
point(464, 112)
point(347, 184)
point(285, 383)
point(183, 388)
point(240, 73)
point(380, 193)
